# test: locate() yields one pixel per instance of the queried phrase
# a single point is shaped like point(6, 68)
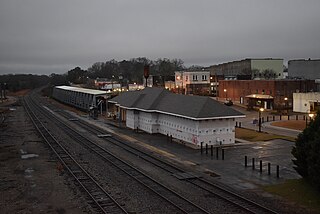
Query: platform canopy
point(82, 90)
point(260, 96)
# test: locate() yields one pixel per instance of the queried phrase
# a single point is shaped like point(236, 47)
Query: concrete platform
point(231, 170)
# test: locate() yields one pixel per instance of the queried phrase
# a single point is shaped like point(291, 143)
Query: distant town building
point(269, 94)
point(192, 82)
point(304, 69)
point(306, 102)
point(266, 68)
point(191, 119)
point(157, 81)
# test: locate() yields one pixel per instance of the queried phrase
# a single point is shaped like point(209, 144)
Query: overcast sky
point(54, 36)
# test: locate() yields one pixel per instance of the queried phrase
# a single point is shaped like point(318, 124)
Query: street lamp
point(286, 104)
point(260, 111)
point(225, 91)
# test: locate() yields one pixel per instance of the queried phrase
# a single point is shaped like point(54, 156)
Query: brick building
point(269, 94)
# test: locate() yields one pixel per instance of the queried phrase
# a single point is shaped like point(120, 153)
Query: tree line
point(128, 71)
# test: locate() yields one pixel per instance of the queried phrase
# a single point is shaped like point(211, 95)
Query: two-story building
point(192, 82)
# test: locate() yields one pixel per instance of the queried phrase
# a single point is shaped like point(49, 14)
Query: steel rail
point(161, 190)
point(99, 198)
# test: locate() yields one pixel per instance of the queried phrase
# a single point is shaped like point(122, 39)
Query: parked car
point(228, 102)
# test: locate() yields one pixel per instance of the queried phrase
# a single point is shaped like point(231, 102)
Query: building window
point(204, 77)
point(195, 77)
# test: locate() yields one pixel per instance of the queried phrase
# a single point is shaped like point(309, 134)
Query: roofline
point(192, 118)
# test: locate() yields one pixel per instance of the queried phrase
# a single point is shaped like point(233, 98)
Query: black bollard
point(211, 150)
point(245, 161)
point(269, 168)
point(236, 124)
point(273, 117)
point(260, 166)
point(288, 117)
point(217, 153)
point(239, 124)
point(222, 150)
point(201, 145)
point(297, 117)
point(206, 149)
point(278, 171)
point(280, 117)
point(252, 163)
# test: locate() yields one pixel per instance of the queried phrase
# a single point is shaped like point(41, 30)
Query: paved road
point(247, 122)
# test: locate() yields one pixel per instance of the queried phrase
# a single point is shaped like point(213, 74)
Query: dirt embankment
point(30, 181)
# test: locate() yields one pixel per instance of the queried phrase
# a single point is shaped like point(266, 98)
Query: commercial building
point(306, 102)
point(192, 82)
point(191, 119)
point(304, 69)
point(269, 94)
point(81, 98)
point(266, 68)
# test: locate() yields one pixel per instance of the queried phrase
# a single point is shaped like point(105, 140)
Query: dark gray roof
point(161, 100)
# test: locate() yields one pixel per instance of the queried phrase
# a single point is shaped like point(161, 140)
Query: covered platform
point(81, 98)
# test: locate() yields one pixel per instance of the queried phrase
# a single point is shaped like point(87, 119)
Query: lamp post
point(260, 111)
point(286, 104)
point(226, 94)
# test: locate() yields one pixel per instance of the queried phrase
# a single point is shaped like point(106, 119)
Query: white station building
point(191, 119)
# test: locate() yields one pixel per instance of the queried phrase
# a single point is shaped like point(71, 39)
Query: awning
point(260, 96)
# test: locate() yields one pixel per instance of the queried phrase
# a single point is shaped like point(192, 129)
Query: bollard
point(267, 118)
point(269, 168)
point(273, 117)
point(206, 149)
point(211, 150)
point(201, 145)
point(245, 161)
point(304, 117)
point(236, 124)
point(260, 166)
point(297, 117)
point(280, 116)
point(252, 163)
point(288, 117)
point(222, 150)
point(239, 124)
point(278, 171)
point(217, 153)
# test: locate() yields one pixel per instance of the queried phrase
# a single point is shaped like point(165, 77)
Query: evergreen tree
point(307, 152)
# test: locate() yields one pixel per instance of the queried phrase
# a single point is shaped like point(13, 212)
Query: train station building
point(191, 119)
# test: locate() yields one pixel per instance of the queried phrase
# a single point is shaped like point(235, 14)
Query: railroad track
point(212, 188)
point(97, 197)
point(169, 195)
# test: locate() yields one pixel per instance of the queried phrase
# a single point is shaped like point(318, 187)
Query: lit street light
point(226, 94)
point(260, 111)
point(286, 105)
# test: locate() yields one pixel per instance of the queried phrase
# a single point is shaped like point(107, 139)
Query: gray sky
point(54, 36)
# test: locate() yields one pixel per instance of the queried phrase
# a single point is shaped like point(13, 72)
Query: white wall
point(302, 102)
point(210, 132)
